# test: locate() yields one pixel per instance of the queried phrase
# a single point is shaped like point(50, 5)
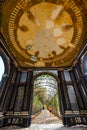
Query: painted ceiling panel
point(44, 33)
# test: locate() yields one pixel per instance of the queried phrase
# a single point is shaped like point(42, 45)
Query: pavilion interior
point(43, 37)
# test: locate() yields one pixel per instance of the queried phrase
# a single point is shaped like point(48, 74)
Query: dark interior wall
point(6, 82)
point(18, 102)
point(16, 97)
point(73, 94)
point(15, 91)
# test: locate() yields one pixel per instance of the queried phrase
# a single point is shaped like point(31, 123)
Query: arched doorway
point(45, 97)
point(4, 68)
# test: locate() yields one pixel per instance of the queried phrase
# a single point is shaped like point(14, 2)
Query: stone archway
point(42, 81)
point(46, 73)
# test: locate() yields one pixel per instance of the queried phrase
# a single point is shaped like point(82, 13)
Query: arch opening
point(45, 99)
point(2, 67)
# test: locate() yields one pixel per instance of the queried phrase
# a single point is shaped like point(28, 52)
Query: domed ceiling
point(44, 33)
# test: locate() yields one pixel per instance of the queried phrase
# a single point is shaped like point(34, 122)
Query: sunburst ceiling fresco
point(44, 33)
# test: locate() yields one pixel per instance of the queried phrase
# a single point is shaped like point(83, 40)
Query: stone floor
point(46, 121)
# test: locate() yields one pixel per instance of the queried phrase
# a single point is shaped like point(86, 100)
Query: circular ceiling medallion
point(42, 33)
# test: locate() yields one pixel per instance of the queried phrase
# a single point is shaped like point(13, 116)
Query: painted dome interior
point(44, 33)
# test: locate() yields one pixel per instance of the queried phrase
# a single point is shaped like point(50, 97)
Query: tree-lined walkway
point(45, 117)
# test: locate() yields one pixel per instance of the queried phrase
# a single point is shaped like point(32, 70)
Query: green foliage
point(39, 99)
point(40, 92)
point(54, 102)
point(37, 105)
point(46, 92)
